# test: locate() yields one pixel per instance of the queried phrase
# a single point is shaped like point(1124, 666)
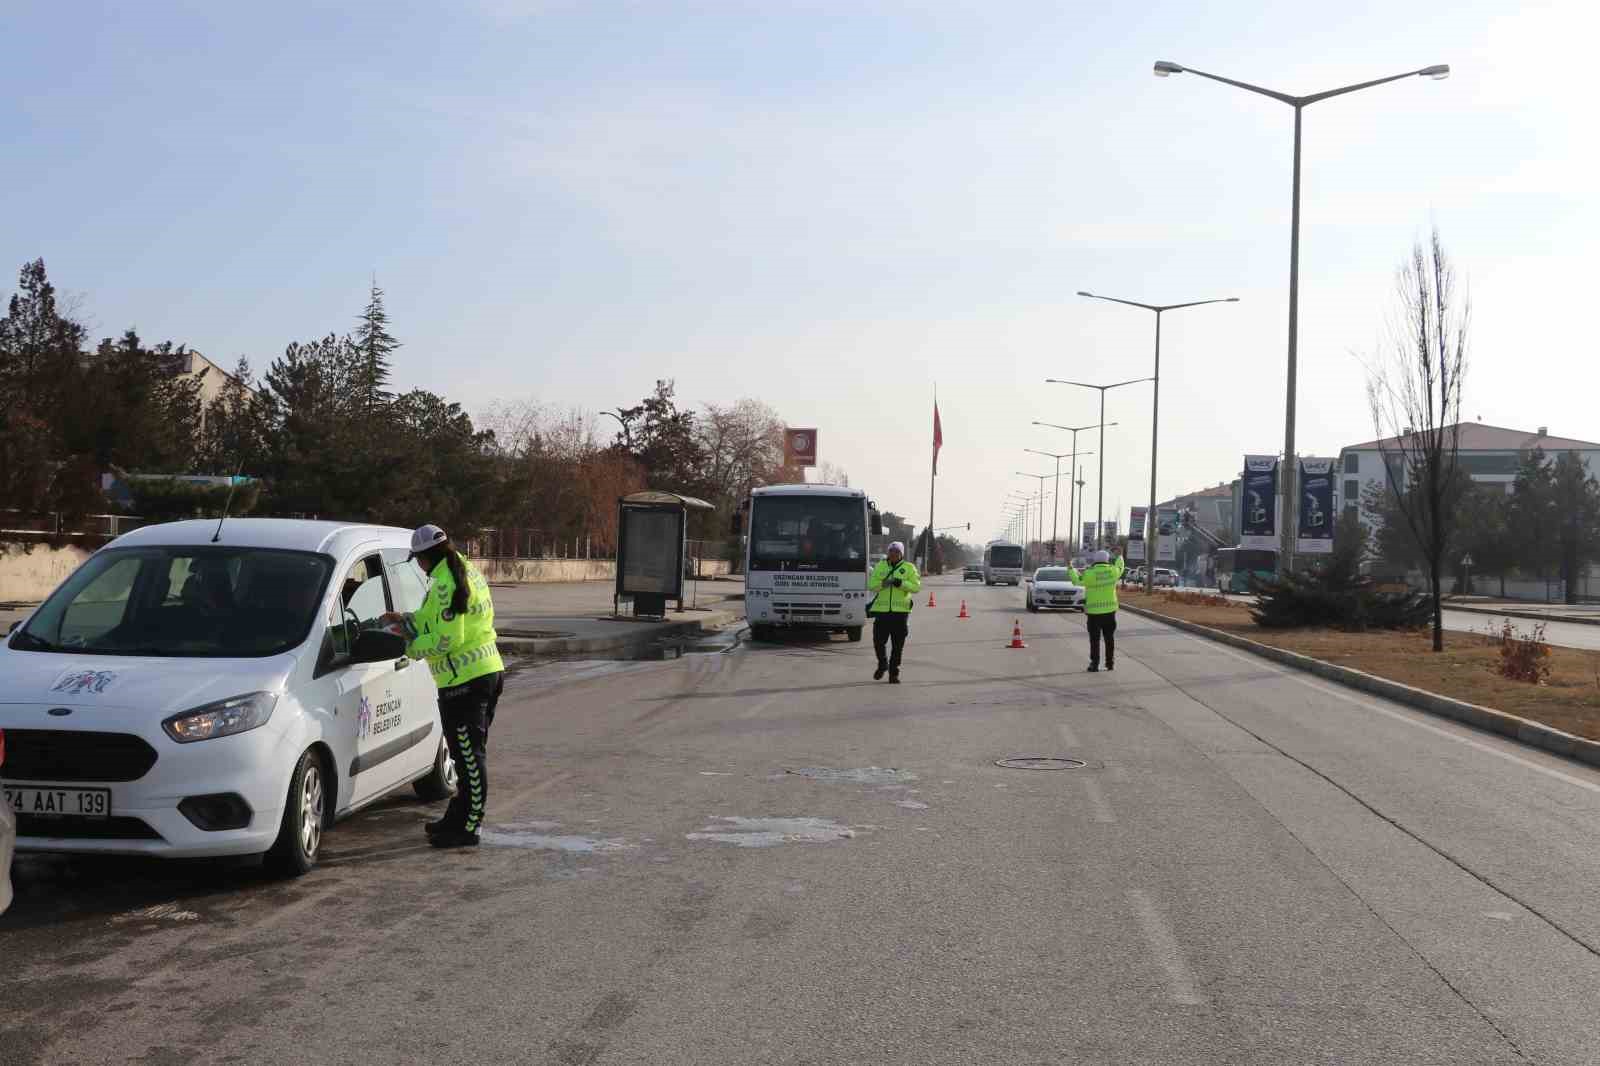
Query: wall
point(30, 576)
point(528, 571)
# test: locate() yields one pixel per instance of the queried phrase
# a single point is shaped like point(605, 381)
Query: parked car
point(972, 572)
point(1165, 578)
point(196, 690)
point(1133, 576)
point(8, 833)
point(1050, 586)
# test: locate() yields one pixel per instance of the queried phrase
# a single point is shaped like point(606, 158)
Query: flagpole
point(933, 473)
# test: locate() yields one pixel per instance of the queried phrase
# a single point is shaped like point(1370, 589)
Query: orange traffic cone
point(930, 599)
point(963, 613)
point(1016, 636)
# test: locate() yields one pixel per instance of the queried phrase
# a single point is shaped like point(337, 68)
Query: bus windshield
point(808, 533)
point(1005, 555)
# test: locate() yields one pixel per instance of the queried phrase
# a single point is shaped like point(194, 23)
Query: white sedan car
point(1050, 586)
point(191, 691)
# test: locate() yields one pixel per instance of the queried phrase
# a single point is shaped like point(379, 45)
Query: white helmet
point(1101, 557)
point(425, 537)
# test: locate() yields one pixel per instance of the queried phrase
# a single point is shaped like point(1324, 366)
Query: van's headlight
point(236, 714)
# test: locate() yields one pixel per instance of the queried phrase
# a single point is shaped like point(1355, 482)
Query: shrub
point(1524, 656)
point(1198, 599)
point(1334, 596)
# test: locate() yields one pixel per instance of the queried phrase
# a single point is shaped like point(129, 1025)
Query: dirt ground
point(1465, 670)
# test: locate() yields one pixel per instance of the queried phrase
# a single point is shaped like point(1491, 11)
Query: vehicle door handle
point(402, 663)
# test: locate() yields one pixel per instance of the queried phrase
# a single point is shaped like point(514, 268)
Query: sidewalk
point(1580, 614)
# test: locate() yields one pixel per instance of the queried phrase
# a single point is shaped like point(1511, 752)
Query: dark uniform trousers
point(1103, 625)
point(891, 628)
point(467, 712)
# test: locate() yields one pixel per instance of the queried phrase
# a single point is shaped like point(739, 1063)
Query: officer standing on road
point(1099, 583)
point(454, 632)
point(894, 582)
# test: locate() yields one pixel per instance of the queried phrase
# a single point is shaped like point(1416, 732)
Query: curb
point(1532, 615)
point(1533, 734)
point(624, 641)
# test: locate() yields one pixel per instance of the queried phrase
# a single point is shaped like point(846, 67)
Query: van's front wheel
point(440, 784)
point(854, 633)
point(304, 812)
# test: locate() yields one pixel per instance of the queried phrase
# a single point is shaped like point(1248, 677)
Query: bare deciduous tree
point(1414, 390)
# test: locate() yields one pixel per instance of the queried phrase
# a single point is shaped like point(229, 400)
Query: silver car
point(1050, 586)
point(8, 836)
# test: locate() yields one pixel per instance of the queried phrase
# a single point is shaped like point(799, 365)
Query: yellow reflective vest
point(891, 600)
point(1100, 585)
point(459, 647)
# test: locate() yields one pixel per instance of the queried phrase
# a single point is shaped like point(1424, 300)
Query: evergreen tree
point(373, 345)
point(1577, 504)
point(1534, 524)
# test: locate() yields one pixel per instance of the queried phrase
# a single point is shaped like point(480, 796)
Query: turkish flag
point(938, 436)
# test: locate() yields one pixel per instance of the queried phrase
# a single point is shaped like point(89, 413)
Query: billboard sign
point(1136, 534)
point(1315, 533)
point(1087, 543)
point(1258, 525)
point(1166, 535)
point(800, 447)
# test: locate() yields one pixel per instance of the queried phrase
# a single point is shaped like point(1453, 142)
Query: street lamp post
point(1072, 532)
point(1055, 517)
point(1041, 478)
point(1163, 69)
point(1100, 489)
point(1155, 413)
point(1081, 483)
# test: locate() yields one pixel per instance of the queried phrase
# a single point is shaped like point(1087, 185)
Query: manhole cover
point(1040, 762)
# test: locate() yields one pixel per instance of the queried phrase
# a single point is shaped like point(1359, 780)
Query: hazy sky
point(827, 205)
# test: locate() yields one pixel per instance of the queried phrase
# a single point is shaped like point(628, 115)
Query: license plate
point(49, 800)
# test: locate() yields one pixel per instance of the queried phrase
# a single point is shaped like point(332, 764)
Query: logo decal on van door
point(75, 682)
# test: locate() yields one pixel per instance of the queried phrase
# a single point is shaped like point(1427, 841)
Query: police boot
point(454, 838)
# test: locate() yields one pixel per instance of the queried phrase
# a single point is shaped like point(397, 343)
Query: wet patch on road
point(770, 832)
point(866, 775)
point(539, 836)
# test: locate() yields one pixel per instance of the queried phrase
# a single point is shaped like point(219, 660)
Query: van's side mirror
point(877, 524)
point(13, 627)
point(377, 645)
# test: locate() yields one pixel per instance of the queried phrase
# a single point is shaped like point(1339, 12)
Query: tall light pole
point(1155, 415)
point(1288, 475)
point(1072, 530)
point(1081, 483)
point(1041, 478)
point(1100, 511)
point(1055, 517)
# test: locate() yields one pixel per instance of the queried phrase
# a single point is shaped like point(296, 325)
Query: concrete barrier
point(529, 571)
point(30, 573)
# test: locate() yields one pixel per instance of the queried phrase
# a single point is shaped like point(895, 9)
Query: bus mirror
point(877, 524)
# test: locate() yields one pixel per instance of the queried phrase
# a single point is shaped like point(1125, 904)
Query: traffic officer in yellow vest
point(454, 631)
point(1099, 583)
point(894, 581)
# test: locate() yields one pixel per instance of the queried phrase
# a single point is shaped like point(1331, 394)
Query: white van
point(196, 690)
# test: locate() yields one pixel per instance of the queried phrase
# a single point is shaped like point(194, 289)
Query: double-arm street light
point(1100, 510)
point(1041, 477)
point(1155, 411)
point(1055, 517)
point(1287, 478)
point(1072, 530)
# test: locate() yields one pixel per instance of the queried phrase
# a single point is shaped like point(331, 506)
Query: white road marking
point(1181, 984)
point(1407, 717)
point(1097, 802)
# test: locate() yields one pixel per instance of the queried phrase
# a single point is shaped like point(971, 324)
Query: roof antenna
point(233, 484)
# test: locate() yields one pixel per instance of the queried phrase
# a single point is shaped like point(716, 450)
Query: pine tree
point(374, 344)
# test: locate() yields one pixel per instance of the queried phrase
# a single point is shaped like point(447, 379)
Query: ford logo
point(59, 712)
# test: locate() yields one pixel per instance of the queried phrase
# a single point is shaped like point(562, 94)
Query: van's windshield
point(181, 601)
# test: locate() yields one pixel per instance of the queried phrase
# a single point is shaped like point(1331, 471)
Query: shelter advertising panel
point(651, 551)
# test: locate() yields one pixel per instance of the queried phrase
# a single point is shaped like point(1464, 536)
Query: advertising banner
point(1315, 533)
point(1167, 535)
point(1111, 533)
point(1087, 543)
point(1258, 525)
point(1136, 534)
point(800, 447)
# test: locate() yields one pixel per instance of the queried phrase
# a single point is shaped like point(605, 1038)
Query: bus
point(1002, 563)
point(807, 558)
point(1236, 566)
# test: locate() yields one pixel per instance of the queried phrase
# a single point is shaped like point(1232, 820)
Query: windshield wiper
point(26, 641)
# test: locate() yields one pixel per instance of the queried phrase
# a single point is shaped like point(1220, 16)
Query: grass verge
point(1467, 669)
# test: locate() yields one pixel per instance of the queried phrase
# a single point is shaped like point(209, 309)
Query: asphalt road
point(765, 857)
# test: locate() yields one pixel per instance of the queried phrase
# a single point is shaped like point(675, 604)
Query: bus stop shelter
point(652, 542)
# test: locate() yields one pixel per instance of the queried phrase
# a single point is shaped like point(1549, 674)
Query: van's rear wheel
point(854, 633)
point(304, 812)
